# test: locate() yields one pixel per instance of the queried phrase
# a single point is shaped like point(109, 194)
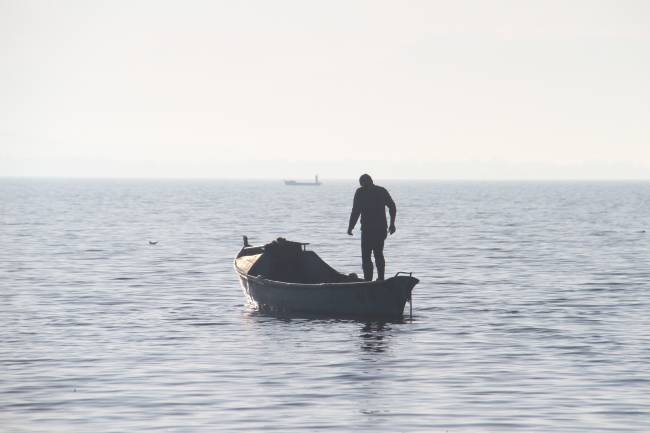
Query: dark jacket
point(370, 202)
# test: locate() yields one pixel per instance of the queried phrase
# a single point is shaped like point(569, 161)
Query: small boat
point(316, 182)
point(284, 277)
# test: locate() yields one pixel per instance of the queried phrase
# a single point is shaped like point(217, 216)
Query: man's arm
point(354, 215)
point(392, 211)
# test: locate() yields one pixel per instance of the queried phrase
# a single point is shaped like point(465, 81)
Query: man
point(370, 201)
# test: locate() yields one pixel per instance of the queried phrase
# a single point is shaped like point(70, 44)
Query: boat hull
point(377, 298)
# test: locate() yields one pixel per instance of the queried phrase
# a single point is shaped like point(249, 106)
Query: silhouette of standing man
point(370, 201)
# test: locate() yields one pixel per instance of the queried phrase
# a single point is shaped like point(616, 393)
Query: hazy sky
point(426, 89)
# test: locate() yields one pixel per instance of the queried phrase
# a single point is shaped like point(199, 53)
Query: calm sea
point(533, 311)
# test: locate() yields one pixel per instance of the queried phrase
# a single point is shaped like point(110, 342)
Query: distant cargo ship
point(316, 182)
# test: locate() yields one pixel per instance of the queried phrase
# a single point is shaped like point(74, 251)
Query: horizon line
point(333, 179)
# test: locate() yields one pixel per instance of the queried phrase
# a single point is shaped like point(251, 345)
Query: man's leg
point(378, 251)
point(366, 251)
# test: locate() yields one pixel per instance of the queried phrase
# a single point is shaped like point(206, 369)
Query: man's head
point(365, 180)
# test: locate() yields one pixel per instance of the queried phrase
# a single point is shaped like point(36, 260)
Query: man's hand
point(350, 232)
point(391, 229)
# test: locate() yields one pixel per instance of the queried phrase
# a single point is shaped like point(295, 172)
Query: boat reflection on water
point(374, 337)
point(287, 317)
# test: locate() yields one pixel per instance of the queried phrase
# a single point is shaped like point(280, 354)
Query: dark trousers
point(372, 242)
